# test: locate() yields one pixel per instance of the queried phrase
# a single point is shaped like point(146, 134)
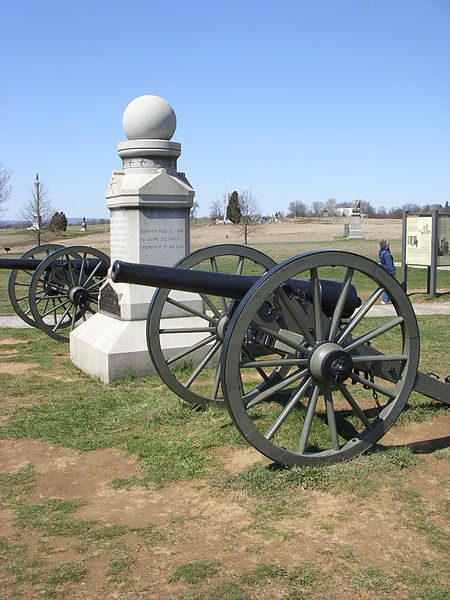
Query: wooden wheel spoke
point(246, 350)
point(62, 317)
point(216, 384)
point(193, 348)
point(54, 309)
point(276, 388)
point(292, 311)
point(210, 305)
point(215, 269)
point(186, 330)
point(374, 333)
point(340, 304)
point(83, 263)
point(372, 385)
point(92, 274)
point(69, 267)
point(280, 337)
point(191, 310)
point(281, 362)
point(331, 417)
point(95, 285)
point(292, 402)
point(364, 309)
point(202, 364)
point(360, 358)
point(355, 406)
point(317, 303)
point(310, 412)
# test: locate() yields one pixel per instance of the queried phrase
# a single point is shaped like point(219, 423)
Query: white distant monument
point(355, 231)
point(149, 202)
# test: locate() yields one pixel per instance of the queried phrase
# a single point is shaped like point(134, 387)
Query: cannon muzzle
point(224, 284)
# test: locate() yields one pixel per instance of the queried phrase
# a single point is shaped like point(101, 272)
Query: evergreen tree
point(58, 222)
point(234, 210)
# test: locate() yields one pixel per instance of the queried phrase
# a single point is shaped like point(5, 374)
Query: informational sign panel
point(443, 252)
point(418, 240)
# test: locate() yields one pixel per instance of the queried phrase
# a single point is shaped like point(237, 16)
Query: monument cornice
point(148, 148)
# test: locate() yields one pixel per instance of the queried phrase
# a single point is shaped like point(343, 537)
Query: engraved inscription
point(161, 238)
point(118, 233)
point(108, 301)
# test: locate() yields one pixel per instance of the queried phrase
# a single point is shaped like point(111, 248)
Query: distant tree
point(249, 211)
point(216, 210)
point(381, 213)
point(297, 209)
point(58, 222)
point(194, 209)
point(413, 208)
point(330, 206)
point(233, 209)
point(38, 211)
point(395, 212)
point(317, 208)
point(5, 187)
point(367, 208)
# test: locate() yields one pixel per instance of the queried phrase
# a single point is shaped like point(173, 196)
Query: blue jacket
point(387, 260)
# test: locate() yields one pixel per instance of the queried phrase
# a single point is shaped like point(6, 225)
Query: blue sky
point(294, 100)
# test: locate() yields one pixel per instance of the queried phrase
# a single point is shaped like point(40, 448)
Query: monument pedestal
point(355, 231)
point(112, 349)
point(150, 204)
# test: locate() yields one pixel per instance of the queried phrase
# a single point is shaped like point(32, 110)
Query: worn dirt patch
point(422, 438)
point(9, 341)
point(10, 352)
point(63, 472)
point(13, 368)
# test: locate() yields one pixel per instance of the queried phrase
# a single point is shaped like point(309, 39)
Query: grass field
point(125, 491)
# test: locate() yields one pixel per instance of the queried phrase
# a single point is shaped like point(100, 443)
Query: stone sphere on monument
point(149, 117)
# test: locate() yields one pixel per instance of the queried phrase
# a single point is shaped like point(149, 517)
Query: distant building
point(343, 212)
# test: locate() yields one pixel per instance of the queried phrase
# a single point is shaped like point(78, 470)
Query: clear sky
point(294, 100)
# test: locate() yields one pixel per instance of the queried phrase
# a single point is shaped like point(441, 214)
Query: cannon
point(54, 288)
point(306, 374)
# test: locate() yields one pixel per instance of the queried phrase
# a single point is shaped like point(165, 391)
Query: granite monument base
point(112, 349)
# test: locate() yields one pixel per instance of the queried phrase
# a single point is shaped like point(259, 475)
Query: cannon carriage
point(55, 288)
point(307, 375)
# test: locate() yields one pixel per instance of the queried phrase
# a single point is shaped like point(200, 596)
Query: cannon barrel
point(224, 284)
point(31, 264)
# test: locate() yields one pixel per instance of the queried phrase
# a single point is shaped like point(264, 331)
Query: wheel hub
point(222, 327)
point(329, 363)
point(79, 296)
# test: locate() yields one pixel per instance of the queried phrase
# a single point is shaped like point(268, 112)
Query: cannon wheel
point(20, 281)
point(64, 289)
point(348, 379)
point(183, 371)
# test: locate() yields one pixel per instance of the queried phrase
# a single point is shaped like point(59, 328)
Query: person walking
point(387, 262)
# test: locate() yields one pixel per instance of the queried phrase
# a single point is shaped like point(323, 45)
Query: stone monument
point(355, 231)
point(149, 203)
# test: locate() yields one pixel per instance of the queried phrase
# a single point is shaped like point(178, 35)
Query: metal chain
point(372, 380)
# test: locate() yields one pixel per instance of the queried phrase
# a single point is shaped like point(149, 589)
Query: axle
point(224, 284)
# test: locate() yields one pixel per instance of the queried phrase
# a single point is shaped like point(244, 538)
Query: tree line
point(331, 206)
